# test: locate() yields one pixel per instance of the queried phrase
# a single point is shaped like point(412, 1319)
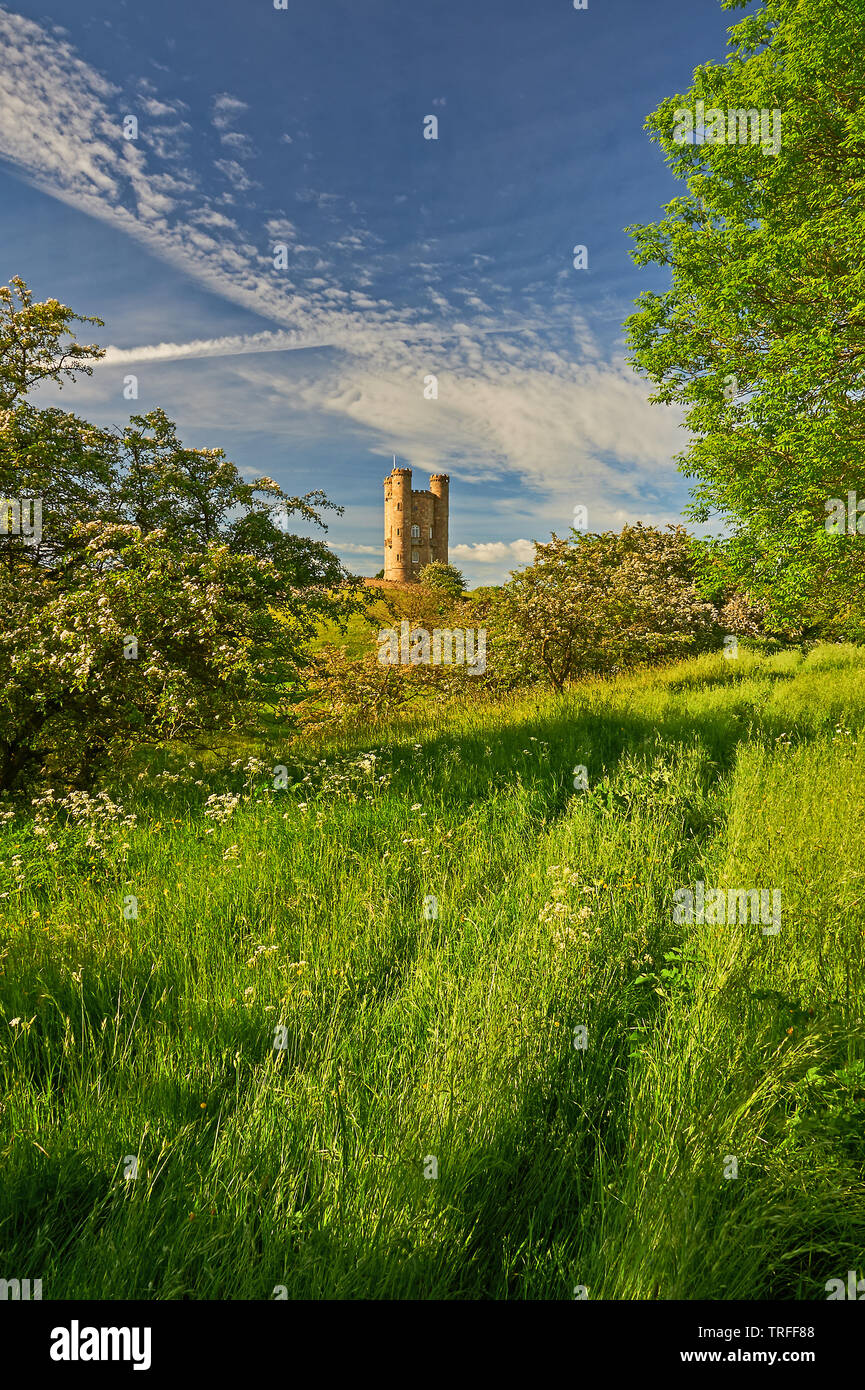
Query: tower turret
point(397, 525)
point(439, 484)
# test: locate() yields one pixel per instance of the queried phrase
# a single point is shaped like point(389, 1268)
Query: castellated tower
point(438, 485)
point(415, 525)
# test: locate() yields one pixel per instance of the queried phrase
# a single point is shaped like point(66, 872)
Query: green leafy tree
point(164, 596)
point(598, 603)
point(37, 343)
point(444, 578)
point(761, 336)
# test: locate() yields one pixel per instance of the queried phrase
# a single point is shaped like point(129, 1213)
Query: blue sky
point(405, 257)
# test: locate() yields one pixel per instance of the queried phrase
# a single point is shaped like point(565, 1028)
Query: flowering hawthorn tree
point(600, 602)
point(164, 596)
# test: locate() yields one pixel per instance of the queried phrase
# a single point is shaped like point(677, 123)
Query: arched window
point(414, 557)
point(415, 533)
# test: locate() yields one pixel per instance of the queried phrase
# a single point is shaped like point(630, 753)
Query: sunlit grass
point(411, 1034)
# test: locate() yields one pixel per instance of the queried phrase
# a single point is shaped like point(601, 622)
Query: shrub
point(446, 578)
point(163, 594)
point(598, 603)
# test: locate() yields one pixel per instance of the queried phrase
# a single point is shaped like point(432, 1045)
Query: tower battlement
point(415, 525)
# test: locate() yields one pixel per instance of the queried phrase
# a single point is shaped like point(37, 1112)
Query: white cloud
point(225, 109)
point(153, 107)
point(511, 399)
point(241, 144)
point(170, 143)
point(65, 128)
point(209, 217)
point(232, 346)
point(280, 229)
point(494, 552)
point(236, 174)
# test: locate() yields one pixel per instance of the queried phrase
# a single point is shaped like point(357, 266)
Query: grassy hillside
point(410, 1035)
point(359, 634)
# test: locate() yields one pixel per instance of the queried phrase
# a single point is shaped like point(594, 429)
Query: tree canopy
point(598, 603)
point(761, 336)
point(445, 578)
point(162, 594)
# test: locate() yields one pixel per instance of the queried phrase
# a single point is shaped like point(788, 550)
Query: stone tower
point(415, 525)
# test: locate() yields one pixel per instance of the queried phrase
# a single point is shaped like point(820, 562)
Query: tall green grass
point(413, 1034)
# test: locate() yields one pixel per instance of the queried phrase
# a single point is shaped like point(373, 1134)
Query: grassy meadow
point(291, 1005)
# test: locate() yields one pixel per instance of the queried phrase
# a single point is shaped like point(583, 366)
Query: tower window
point(414, 557)
point(399, 506)
point(430, 533)
point(397, 530)
point(415, 533)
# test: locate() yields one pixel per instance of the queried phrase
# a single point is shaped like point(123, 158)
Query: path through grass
point(266, 1010)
